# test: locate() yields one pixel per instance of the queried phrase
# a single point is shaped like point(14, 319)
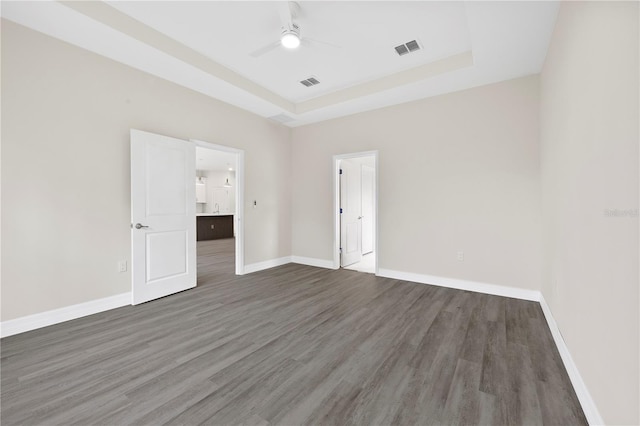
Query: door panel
point(167, 255)
point(368, 209)
point(350, 203)
point(352, 238)
point(165, 171)
point(163, 204)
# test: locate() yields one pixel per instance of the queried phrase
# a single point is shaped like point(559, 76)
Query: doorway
point(356, 218)
point(163, 214)
point(219, 209)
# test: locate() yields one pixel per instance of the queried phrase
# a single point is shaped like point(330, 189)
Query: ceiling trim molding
point(422, 72)
point(119, 21)
point(508, 39)
point(107, 15)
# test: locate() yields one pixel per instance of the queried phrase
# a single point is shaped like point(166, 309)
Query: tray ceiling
point(207, 47)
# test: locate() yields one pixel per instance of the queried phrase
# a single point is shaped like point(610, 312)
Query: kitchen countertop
point(214, 214)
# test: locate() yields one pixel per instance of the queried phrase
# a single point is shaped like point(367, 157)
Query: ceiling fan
point(290, 37)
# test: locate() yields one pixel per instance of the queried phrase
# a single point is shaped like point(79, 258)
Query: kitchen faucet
point(217, 208)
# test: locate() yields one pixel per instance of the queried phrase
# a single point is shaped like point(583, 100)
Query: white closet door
point(368, 210)
point(350, 216)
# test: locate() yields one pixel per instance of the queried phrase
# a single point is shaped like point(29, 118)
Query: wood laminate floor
point(293, 345)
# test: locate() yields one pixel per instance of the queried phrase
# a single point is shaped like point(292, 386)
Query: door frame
point(336, 204)
point(239, 191)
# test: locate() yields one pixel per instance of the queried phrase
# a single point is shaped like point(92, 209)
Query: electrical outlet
point(255, 204)
point(122, 266)
point(460, 256)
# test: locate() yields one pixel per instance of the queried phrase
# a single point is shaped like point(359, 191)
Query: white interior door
point(350, 216)
point(163, 238)
point(368, 210)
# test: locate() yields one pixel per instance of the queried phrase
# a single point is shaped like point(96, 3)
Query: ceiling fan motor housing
point(291, 28)
point(290, 37)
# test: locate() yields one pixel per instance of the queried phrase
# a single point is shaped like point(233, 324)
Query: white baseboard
point(55, 316)
point(32, 322)
point(588, 405)
point(586, 401)
point(497, 290)
point(272, 263)
point(310, 261)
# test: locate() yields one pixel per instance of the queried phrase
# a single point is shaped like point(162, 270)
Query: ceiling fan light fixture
point(290, 40)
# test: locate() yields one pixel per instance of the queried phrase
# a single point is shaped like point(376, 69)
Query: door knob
point(140, 226)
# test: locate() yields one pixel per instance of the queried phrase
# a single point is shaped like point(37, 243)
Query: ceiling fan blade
point(294, 10)
point(311, 41)
point(288, 11)
point(284, 11)
point(265, 49)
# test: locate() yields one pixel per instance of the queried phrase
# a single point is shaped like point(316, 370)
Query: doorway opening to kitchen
point(219, 195)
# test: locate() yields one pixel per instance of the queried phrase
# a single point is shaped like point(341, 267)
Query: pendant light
point(226, 182)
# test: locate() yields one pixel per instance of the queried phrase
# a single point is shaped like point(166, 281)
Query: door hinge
point(340, 171)
point(340, 210)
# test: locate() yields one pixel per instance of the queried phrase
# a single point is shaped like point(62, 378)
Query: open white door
point(368, 208)
point(163, 219)
point(350, 214)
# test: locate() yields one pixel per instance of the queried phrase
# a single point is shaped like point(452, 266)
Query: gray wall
point(589, 144)
point(66, 115)
point(456, 172)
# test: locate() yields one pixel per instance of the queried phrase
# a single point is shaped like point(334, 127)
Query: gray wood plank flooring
point(292, 345)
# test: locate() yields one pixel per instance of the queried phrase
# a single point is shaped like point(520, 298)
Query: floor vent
point(408, 47)
point(311, 81)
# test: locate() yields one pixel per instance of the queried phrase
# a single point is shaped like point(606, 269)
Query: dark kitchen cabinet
point(214, 227)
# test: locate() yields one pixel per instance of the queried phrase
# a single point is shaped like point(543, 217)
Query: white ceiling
point(213, 160)
point(206, 46)
point(366, 32)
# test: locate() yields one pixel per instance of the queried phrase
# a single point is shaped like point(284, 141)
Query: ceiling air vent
point(311, 81)
point(408, 47)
